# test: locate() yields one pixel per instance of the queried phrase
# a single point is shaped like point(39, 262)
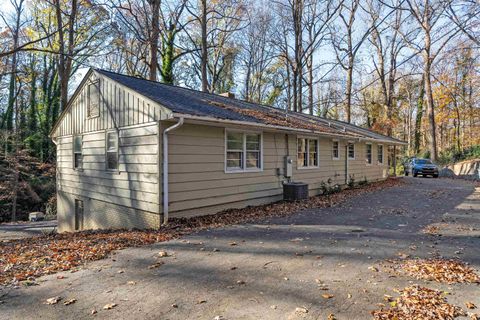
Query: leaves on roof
point(282, 119)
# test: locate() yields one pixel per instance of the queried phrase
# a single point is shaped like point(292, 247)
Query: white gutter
point(165, 167)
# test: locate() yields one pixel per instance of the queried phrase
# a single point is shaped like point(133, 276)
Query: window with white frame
point(368, 153)
point(307, 152)
point(243, 151)
point(380, 154)
point(93, 100)
point(77, 152)
point(335, 150)
point(351, 150)
point(111, 150)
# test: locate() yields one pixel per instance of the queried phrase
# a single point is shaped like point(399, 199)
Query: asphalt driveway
point(278, 269)
point(9, 231)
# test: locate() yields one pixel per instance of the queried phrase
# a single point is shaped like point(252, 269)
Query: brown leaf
point(470, 305)
point(301, 310)
point(155, 265)
point(163, 254)
point(109, 306)
point(53, 300)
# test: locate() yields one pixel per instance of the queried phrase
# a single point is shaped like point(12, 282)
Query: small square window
point(243, 151)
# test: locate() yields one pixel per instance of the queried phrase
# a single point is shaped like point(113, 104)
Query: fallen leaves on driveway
point(440, 270)
point(419, 303)
point(27, 259)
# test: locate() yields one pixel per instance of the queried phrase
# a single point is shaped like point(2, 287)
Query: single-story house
point(131, 153)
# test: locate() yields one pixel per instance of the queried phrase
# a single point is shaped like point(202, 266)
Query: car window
point(424, 161)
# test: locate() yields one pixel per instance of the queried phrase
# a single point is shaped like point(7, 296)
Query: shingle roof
point(197, 103)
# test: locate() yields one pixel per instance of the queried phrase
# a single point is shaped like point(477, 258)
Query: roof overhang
point(203, 120)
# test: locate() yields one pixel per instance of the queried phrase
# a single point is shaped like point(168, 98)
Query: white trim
point(308, 151)
point(165, 168)
point(244, 151)
point(338, 149)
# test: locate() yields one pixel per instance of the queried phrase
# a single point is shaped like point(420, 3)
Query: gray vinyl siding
point(118, 107)
point(128, 197)
point(135, 185)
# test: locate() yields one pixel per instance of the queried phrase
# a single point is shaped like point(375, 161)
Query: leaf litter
point(441, 270)
point(419, 303)
point(30, 258)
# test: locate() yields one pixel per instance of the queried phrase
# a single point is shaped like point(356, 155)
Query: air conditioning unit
point(293, 191)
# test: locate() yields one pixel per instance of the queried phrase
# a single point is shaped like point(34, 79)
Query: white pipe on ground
point(165, 167)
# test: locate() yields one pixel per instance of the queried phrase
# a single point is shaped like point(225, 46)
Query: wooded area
point(405, 68)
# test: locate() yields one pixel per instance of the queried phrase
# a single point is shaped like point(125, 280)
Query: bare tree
point(347, 41)
point(436, 33)
point(386, 40)
point(211, 37)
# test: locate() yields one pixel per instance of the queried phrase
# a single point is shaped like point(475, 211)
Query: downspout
point(346, 163)
point(165, 167)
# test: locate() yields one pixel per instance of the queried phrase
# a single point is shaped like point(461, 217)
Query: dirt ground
point(277, 269)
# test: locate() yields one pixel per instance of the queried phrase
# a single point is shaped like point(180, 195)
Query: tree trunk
point(155, 6)
point(418, 119)
point(430, 109)
point(168, 56)
point(204, 53)
point(348, 90)
point(65, 55)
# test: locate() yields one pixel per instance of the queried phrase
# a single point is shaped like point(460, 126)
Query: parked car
point(423, 167)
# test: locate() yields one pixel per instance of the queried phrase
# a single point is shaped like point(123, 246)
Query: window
point(112, 150)
point(253, 151)
point(93, 100)
point(335, 151)
point(243, 151)
point(351, 150)
point(368, 153)
point(77, 152)
point(380, 154)
point(307, 153)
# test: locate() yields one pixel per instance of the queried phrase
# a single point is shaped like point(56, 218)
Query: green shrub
point(453, 155)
